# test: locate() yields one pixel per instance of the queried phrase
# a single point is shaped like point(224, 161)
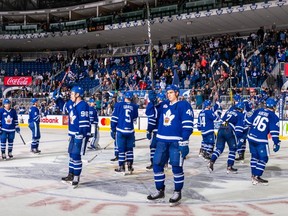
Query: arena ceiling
point(213, 24)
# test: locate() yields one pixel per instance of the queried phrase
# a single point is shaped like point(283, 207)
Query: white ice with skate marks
point(33, 182)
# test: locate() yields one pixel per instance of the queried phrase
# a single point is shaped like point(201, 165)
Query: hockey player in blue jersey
point(122, 130)
point(79, 130)
point(231, 121)
point(263, 121)
point(241, 144)
point(33, 123)
point(8, 126)
point(93, 116)
point(175, 125)
point(152, 122)
point(205, 124)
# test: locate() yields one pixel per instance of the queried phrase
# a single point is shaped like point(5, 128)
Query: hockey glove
point(152, 97)
point(113, 134)
point(276, 147)
point(17, 129)
point(183, 148)
point(148, 135)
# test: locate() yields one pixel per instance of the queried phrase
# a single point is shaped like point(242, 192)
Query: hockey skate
point(240, 158)
point(201, 152)
point(130, 168)
point(210, 166)
point(35, 151)
point(150, 167)
point(75, 182)
point(114, 159)
point(258, 180)
point(230, 169)
point(10, 155)
point(175, 199)
point(206, 156)
point(68, 179)
point(120, 170)
point(4, 156)
point(157, 197)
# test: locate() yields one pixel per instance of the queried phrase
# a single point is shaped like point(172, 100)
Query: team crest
point(8, 120)
point(72, 117)
point(168, 117)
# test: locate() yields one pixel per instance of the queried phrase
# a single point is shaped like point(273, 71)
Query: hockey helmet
point(239, 106)
point(207, 103)
point(237, 98)
point(78, 89)
point(271, 103)
point(34, 100)
point(172, 87)
point(6, 101)
point(129, 95)
point(91, 100)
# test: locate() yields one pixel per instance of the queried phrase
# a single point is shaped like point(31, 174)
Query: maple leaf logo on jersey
point(72, 117)
point(168, 117)
point(8, 120)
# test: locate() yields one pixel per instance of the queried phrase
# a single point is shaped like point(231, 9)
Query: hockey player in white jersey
point(175, 125)
point(263, 121)
point(8, 126)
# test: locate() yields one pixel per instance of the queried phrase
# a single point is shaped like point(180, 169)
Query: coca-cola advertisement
point(17, 80)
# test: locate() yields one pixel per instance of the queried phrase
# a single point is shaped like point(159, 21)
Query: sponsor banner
point(56, 120)
point(17, 80)
point(105, 122)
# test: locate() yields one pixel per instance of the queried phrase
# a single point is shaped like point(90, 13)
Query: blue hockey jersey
point(8, 120)
point(123, 117)
point(34, 115)
point(93, 116)
point(152, 120)
point(80, 117)
point(235, 120)
point(205, 122)
point(175, 121)
point(263, 122)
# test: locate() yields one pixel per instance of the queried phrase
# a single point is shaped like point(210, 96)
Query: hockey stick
point(140, 139)
point(22, 139)
point(89, 161)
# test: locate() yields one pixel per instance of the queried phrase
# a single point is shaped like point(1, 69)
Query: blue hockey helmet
point(6, 101)
point(129, 95)
point(271, 103)
point(172, 87)
point(91, 100)
point(207, 103)
point(34, 100)
point(78, 89)
point(239, 106)
point(237, 98)
point(161, 96)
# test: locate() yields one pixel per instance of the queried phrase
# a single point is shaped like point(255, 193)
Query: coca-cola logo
point(18, 81)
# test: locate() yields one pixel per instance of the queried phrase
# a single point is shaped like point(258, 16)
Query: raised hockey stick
point(22, 139)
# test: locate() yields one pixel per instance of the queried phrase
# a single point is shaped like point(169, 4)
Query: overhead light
point(280, 3)
point(253, 6)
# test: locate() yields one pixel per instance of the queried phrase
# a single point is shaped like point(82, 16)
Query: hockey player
point(79, 130)
point(241, 144)
point(205, 124)
point(263, 121)
point(175, 125)
point(122, 130)
point(152, 123)
point(8, 126)
point(33, 123)
point(232, 118)
point(94, 126)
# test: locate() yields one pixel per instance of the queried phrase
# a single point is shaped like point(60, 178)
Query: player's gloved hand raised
point(152, 97)
point(183, 148)
point(148, 135)
point(17, 129)
point(276, 147)
point(113, 134)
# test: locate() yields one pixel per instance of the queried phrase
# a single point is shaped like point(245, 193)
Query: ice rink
point(30, 184)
